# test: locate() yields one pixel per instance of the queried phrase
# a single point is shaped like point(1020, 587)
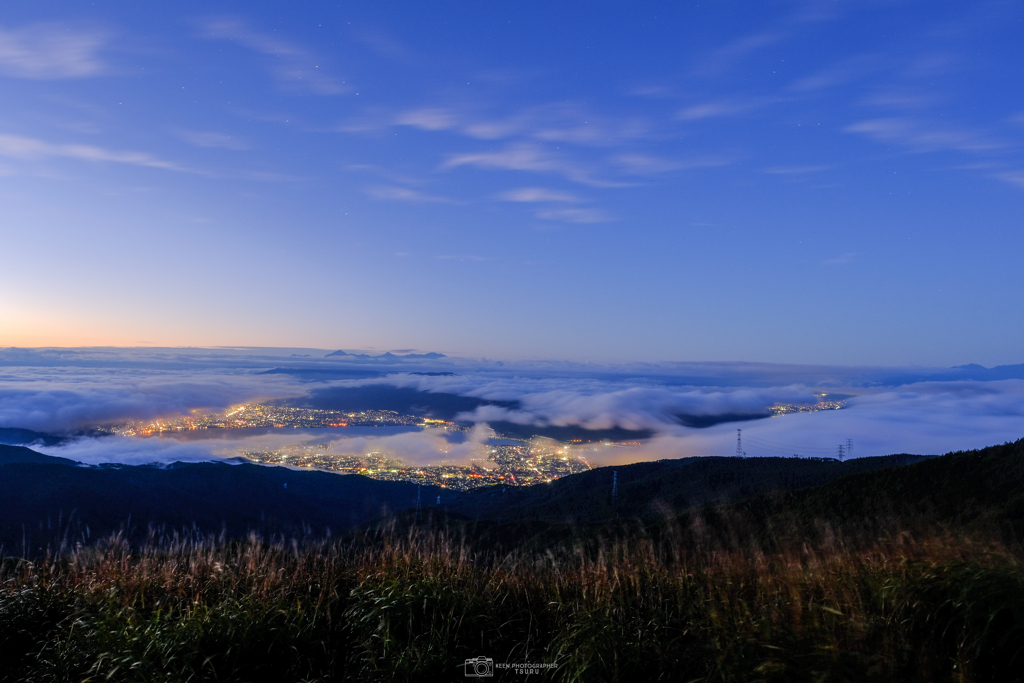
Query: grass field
point(413, 603)
point(901, 573)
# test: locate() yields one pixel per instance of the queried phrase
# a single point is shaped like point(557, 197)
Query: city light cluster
point(523, 463)
point(822, 404)
point(534, 462)
point(262, 415)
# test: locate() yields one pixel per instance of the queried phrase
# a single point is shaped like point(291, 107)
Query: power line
point(769, 442)
point(774, 445)
point(723, 448)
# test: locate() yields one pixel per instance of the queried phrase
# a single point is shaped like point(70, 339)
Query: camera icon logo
point(479, 667)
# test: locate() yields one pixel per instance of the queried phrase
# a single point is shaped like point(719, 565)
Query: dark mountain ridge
point(652, 489)
point(25, 437)
point(46, 499)
point(11, 455)
point(41, 494)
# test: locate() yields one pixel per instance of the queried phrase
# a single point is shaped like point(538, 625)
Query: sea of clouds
point(66, 390)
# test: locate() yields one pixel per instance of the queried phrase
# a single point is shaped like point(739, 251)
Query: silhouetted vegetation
point(46, 500)
point(909, 573)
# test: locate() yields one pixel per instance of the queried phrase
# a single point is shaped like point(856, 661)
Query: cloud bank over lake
point(888, 410)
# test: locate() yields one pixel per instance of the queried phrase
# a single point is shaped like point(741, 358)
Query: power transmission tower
point(739, 443)
point(840, 452)
point(849, 448)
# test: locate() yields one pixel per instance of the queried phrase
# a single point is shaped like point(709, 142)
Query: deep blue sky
point(822, 182)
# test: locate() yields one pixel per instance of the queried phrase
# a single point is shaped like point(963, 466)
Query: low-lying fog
point(81, 389)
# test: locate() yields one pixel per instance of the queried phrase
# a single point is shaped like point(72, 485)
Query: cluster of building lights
point(527, 462)
point(822, 404)
point(533, 462)
point(262, 415)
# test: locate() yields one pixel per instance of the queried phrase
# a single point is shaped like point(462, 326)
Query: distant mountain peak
point(432, 355)
point(389, 356)
point(10, 455)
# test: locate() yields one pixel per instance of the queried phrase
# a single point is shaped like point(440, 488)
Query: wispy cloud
point(386, 175)
point(50, 51)
point(294, 66)
point(272, 177)
point(922, 137)
point(428, 119)
point(723, 108)
point(555, 212)
point(527, 157)
point(515, 158)
point(574, 215)
point(708, 110)
point(730, 54)
point(17, 147)
point(596, 133)
point(404, 194)
point(462, 257)
point(645, 165)
point(536, 194)
point(897, 99)
point(839, 73)
point(201, 138)
point(492, 130)
point(795, 170)
point(1015, 178)
point(931, 64)
point(565, 123)
point(440, 118)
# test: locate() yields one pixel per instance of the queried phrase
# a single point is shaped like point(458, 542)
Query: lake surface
point(300, 432)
